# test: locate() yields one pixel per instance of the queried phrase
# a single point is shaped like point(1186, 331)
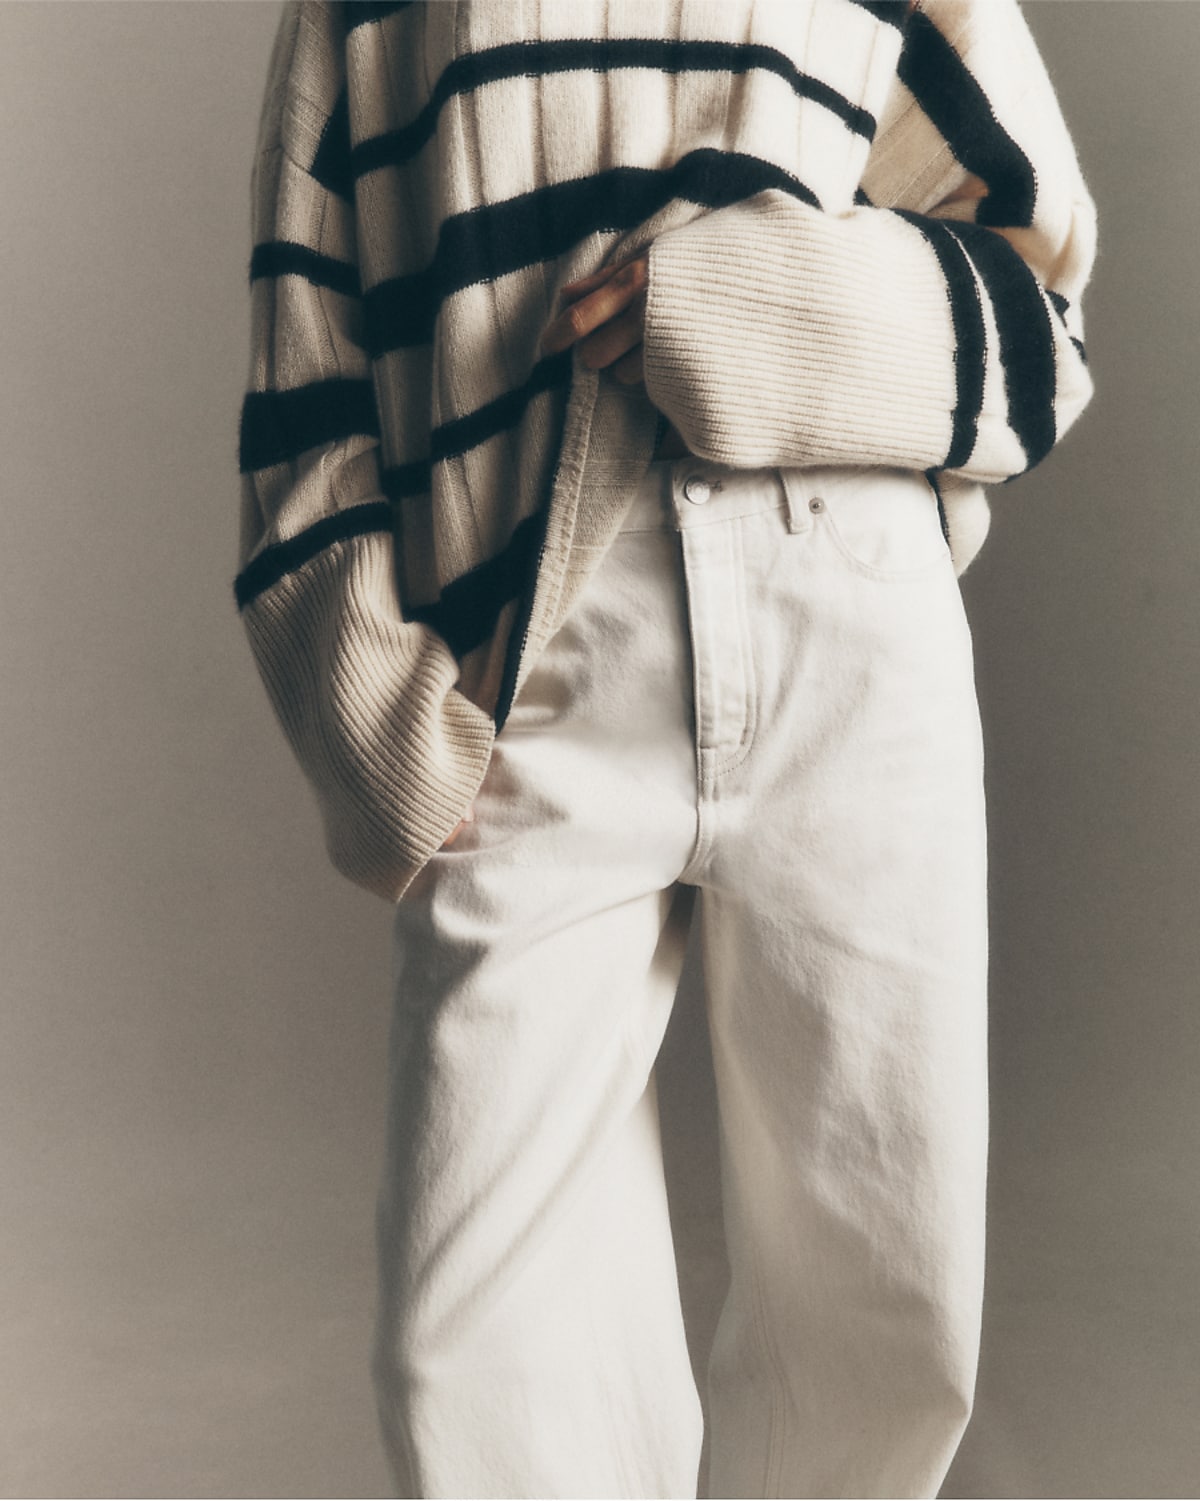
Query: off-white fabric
point(789, 754)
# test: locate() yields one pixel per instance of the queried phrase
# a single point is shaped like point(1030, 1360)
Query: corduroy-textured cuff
point(394, 752)
point(779, 334)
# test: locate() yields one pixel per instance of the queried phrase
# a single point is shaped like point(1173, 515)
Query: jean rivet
point(816, 503)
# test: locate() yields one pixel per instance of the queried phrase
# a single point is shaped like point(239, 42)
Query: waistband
point(685, 492)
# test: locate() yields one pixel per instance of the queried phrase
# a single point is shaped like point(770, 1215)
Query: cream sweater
point(868, 235)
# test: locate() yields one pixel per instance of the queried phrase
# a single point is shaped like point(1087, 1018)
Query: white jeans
point(765, 691)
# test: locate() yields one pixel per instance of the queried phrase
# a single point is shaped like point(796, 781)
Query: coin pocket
point(885, 523)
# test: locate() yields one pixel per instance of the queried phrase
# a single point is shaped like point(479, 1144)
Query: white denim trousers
point(764, 691)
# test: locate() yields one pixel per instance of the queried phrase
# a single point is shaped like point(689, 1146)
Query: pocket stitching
point(872, 570)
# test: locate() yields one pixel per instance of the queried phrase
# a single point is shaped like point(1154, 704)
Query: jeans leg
point(530, 1339)
point(843, 913)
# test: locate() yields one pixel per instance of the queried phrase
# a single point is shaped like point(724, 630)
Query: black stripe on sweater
point(451, 439)
point(331, 164)
point(970, 334)
point(359, 12)
point(282, 558)
point(398, 480)
point(282, 258)
point(495, 240)
point(949, 94)
point(277, 426)
point(1061, 306)
point(894, 12)
point(1025, 333)
point(584, 54)
point(468, 609)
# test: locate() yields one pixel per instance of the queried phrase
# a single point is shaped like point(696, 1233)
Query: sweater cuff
point(392, 749)
point(779, 334)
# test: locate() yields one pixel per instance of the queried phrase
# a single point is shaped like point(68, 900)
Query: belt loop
point(792, 479)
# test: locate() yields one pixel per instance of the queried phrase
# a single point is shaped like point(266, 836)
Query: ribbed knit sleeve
point(366, 698)
point(934, 325)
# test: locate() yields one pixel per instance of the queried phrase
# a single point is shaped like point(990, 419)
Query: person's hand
point(457, 830)
point(606, 315)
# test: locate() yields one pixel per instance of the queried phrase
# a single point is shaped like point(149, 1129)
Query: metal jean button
point(697, 489)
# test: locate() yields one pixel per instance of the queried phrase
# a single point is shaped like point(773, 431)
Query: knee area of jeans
point(397, 1370)
point(954, 1394)
point(416, 1349)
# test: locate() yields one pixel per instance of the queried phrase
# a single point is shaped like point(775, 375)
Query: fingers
point(572, 291)
point(629, 369)
point(633, 271)
point(469, 817)
point(613, 339)
point(612, 295)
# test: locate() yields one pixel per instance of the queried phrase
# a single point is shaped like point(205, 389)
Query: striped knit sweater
point(867, 234)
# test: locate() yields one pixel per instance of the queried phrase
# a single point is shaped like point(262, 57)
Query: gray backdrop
point(195, 1004)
